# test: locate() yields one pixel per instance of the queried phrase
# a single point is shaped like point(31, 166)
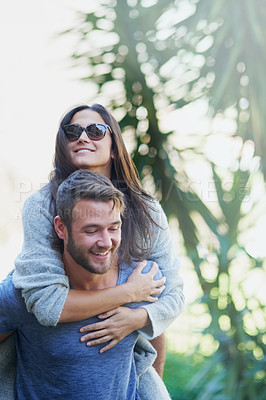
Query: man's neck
point(81, 279)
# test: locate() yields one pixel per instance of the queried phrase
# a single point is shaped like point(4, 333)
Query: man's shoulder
point(125, 270)
point(7, 283)
point(9, 293)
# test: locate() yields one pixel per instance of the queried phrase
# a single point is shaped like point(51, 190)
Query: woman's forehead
point(88, 116)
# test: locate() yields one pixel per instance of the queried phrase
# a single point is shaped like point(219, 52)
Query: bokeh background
point(185, 79)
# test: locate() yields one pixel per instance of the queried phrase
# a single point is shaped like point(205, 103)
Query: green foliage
point(241, 348)
point(206, 379)
point(178, 373)
point(146, 57)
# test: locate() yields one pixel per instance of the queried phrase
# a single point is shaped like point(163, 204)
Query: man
point(52, 362)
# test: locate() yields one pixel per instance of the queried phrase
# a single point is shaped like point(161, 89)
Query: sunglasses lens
point(96, 131)
point(72, 132)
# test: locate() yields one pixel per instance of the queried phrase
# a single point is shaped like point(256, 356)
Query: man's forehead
point(95, 209)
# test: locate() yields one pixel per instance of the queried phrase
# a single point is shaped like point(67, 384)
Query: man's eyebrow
point(118, 222)
point(90, 226)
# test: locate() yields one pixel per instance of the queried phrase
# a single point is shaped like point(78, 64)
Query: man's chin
point(99, 268)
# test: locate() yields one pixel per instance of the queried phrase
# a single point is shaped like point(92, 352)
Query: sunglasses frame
point(82, 128)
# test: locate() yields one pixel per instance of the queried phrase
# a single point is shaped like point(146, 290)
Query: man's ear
point(60, 228)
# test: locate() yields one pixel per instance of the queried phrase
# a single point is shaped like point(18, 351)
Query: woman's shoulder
point(41, 195)
point(154, 203)
point(38, 200)
point(156, 211)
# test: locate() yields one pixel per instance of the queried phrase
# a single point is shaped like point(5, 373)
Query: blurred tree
point(230, 37)
point(147, 58)
point(118, 44)
point(236, 370)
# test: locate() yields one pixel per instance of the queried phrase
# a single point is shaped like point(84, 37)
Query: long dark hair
point(137, 219)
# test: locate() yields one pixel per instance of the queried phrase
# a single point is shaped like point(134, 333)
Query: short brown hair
point(85, 184)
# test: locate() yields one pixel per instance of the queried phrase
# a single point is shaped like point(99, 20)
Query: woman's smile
point(85, 153)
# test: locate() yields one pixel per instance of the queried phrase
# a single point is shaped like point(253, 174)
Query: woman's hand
point(143, 287)
point(117, 324)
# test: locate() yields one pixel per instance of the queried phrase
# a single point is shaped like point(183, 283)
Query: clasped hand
point(121, 321)
point(117, 324)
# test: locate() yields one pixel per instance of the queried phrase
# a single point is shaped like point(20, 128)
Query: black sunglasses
point(93, 131)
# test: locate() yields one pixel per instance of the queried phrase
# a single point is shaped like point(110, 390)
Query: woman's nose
point(84, 137)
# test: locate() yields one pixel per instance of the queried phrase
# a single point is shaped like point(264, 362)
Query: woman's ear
point(60, 228)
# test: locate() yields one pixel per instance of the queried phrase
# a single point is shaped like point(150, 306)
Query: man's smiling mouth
point(100, 253)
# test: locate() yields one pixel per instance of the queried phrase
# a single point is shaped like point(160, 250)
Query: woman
point(90, 138)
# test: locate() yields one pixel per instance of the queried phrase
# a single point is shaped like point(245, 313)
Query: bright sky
point(37, 87)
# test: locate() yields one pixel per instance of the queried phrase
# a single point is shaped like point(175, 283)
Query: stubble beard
point(82, 258)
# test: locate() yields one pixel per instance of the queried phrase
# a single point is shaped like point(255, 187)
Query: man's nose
point(105, 240)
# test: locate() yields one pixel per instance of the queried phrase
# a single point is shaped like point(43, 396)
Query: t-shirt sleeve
point(9, 304)
point(171, 302)
point(39, 270)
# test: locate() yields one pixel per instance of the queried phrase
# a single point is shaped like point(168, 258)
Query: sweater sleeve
point(163, 312)
point(39, 270)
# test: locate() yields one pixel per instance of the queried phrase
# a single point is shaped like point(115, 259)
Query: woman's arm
point(39, 270)
point(117, 324)
point(40, 274)
point(171, 301)
point(121, 321)
point(81, 304)
point(160, 314)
